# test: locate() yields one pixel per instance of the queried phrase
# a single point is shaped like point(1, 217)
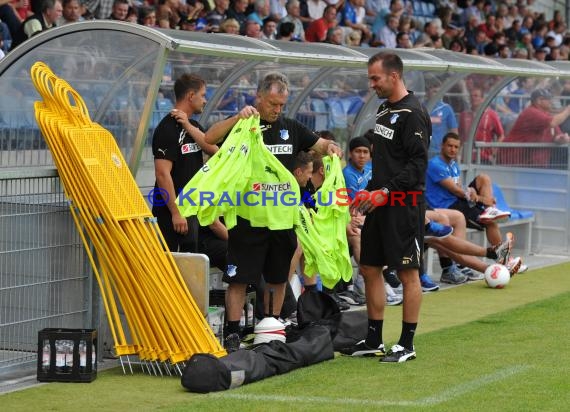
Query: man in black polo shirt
point(177, 145)
point(253, 251)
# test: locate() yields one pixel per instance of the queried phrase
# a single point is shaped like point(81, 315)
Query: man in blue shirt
point(444, 190)
point(442, 117)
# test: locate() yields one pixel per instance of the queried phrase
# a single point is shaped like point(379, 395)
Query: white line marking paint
point(444, 396)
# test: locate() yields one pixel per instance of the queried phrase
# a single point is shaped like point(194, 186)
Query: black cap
point(359, 142)
point(540, 93)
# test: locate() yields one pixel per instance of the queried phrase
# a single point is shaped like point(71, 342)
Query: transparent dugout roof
point(125, 73)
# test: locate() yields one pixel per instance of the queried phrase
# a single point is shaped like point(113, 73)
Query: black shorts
point(393, 236)
point(175, 242)
point(471, 213)
point(256, 251)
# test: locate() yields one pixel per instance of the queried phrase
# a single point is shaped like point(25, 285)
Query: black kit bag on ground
point(313, 306)
point(205, 373)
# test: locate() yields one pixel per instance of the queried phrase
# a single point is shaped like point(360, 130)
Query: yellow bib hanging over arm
point(243, 179)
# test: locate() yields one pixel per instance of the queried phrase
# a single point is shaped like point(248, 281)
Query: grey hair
point(274, 80)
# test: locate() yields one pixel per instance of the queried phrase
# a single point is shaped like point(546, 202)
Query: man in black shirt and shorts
point(177, 145)
point(392, 234)
point(256, 251)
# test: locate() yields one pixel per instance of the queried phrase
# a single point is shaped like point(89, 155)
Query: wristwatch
point(385, 190)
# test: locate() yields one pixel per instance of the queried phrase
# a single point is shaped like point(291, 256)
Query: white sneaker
point(514, 265)
point(513, 262)
point(492, 214)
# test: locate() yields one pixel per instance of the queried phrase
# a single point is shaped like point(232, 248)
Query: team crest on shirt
point(394, 118)
point(232, 270)
point(284, 134)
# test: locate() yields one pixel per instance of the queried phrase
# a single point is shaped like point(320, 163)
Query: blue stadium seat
point(502, 205)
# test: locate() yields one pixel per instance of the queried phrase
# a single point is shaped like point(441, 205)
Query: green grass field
point(478, 349)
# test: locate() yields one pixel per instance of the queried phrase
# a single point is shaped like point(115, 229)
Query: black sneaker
point(391, 278)
point(362, 349)
point(399, 354)
point(232, 342)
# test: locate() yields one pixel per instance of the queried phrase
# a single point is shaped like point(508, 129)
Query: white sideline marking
point(443, 396)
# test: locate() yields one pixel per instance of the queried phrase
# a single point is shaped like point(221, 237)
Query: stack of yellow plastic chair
point(165, 326)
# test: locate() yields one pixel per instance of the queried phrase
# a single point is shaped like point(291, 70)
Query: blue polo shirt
point(437, 196)
point(442, 120)
point(355, 179)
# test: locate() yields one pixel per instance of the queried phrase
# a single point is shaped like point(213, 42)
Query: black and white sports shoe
point(362, 349)
point(399, 354)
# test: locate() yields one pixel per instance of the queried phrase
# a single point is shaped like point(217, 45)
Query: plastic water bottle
point(60, 356)
point(46, 355)
point(93, 357)
point(68, 356)
point(82, 356)
point(469, 199)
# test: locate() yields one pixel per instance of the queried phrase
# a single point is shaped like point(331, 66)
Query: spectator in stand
point(481, 41)
point(430, 29)
point(237, 11)
point(488, 26)
point(403, 40)
point(252, 29)
point(540, 54)
point(504, 52)
point(147, 16)
point(293, 16)
point(557, 17)
point(373, 7)
point(230, 26)
point(452, 32)
point(513, 33)
point(471, 31)
point(387, 35)
point(334, 36)
point(120, 10)
point(277, 9)
point(535, 124)
point(520, 54)
point(286, 32)
point(260, 11)
point(317, 30)
point(353, 17)
point(539, 35)
point(527, 24)
point(553, 55)
point(314, 11)
point(476, 10)
point(525, 42)
point(396, 8)
point(168, 14)
point(46, 19)
point(269, 29)
point(457, 46)
point(218, 14)
point(519, 97)
point(353, 39)
point(71, 12)
point(557, 32)
point(512, 15)
point(489, 129)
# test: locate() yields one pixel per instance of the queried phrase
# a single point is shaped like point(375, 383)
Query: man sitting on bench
point(444, 190)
